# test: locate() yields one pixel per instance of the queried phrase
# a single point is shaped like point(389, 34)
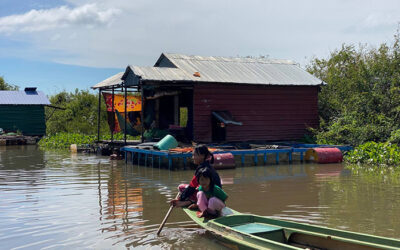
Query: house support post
point(98, 117)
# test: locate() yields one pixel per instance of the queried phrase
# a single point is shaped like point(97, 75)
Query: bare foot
point(206, 215)
point(193, 207)
point(202, 214)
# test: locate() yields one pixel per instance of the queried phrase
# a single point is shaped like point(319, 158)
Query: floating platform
point(158, 158)
point(7, 140)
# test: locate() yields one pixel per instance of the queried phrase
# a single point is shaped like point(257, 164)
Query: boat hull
point(259, 232)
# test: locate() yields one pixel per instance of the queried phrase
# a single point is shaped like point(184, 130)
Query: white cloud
point(88, 15)
point(381, 19)
point(114, 33)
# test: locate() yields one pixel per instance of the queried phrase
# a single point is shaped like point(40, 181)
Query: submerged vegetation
point(375, 154)
point(64, 140)
point(375, 158)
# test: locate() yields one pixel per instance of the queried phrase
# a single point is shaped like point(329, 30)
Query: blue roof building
point(23, 111)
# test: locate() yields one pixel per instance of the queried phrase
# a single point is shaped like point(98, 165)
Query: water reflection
point(372, 206)
point(63, 201)
point(29, 158)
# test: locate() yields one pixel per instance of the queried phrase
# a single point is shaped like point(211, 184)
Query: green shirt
point(217, 192)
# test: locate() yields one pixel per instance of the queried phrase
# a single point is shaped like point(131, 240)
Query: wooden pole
point(113, 114)
point(126, 116)
point(166, 217)
point(98, 117)
point(142, 113)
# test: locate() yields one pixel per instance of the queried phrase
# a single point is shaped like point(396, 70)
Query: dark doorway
point(166, 112)
point(218, 130)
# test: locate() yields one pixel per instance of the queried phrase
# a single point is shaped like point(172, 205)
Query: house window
point(183, 116)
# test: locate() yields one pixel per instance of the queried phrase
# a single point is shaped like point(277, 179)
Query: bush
point(361, 101)
point(375, 155)
point(79, 114)
point(64, 140)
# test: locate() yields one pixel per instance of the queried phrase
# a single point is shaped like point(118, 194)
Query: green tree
point(361, 101)
point(79, 114)
point(6, 86)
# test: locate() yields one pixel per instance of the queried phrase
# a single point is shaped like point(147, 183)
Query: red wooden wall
point(267, 112)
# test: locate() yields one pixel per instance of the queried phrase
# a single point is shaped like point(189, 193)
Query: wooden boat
point(259, 232)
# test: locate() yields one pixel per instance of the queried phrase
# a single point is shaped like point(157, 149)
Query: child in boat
point(203, 158)
point(210, 197)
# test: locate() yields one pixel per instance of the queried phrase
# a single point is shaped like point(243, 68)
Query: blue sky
point(62, 45)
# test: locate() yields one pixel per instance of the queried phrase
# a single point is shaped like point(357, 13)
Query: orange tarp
point(133, 103)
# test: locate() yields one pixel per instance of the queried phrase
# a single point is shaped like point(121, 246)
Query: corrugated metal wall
point(29, 119)
point(267, 112)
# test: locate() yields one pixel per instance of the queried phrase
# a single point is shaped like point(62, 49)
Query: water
point(55, 200)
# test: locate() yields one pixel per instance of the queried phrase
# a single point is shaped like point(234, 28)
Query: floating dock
point(157, 158)
point(7, 140)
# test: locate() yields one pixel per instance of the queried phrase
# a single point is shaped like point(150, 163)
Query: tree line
point(361, 101)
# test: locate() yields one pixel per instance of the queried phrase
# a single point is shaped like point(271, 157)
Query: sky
point(58, 45)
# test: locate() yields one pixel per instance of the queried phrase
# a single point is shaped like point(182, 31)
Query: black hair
point(206, 172)
point(203, 150)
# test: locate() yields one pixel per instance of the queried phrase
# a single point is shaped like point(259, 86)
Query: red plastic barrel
point(324, 155)
point(224, 161)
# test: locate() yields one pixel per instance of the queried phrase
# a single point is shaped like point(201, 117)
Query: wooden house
point(227, 99)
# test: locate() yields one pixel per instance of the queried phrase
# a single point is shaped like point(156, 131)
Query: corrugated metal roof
point(243, 70)
point(162, 74)
point(114, 80)
point(23, 98)
point(228, 70)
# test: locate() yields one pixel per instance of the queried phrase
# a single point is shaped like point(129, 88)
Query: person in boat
point(203, 158)
point(210, 197)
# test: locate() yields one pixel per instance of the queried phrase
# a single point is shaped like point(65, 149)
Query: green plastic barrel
point(166, 143)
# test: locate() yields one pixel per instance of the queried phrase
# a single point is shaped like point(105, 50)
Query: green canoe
point(259, 232)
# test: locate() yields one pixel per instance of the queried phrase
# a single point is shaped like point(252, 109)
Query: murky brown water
point(53, 200)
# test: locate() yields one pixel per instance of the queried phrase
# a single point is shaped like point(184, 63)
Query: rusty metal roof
point(23, 98)
point(227, 70)
point(114, 80)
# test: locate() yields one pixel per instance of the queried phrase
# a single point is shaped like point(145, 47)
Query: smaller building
point(23, 111)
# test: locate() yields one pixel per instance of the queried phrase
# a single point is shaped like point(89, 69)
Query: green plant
point(361, 101)
point(64, 140)
point(6, 86)
point(375, 154)
point(79, 113)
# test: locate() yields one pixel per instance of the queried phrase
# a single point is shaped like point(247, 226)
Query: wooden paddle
point(166, 217)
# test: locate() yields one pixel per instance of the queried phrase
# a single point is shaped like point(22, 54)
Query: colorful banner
point(133, 103)
point(133, 121)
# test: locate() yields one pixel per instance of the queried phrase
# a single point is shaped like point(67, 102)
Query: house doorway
point(219, 120)
point(218, 130)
